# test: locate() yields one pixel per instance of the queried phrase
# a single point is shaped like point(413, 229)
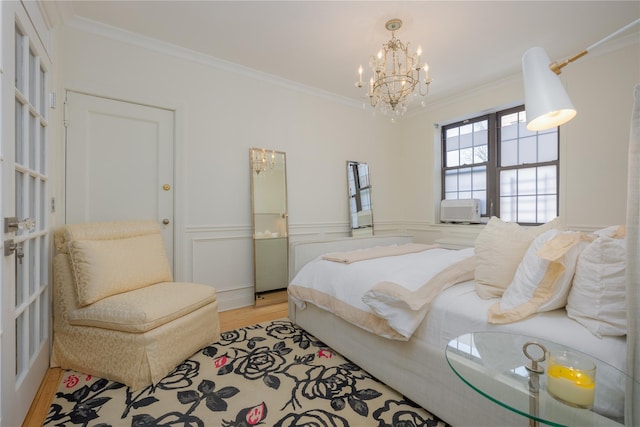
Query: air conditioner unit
point(460, 210)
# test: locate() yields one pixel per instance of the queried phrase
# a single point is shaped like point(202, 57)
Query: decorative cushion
point(598, 295)
point(144, 309)
point(499, 249)
point(107, 267)
point(543, 278)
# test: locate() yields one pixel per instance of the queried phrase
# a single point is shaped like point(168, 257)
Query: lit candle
point(419, 53)
point(570, 384)
point(360, 74)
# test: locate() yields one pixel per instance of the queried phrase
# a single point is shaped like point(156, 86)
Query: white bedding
point(417, 367)
point(342, 287)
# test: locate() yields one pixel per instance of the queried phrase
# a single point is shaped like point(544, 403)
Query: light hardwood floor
point(271, 306)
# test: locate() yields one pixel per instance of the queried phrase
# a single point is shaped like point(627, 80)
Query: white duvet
point(376, 294)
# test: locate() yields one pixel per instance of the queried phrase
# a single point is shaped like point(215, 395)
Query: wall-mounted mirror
point(270, 220)
point(359, 199)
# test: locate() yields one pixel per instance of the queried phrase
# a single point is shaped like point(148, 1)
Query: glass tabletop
point(494, 364)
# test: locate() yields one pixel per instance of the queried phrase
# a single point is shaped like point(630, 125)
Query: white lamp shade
point(546, 102)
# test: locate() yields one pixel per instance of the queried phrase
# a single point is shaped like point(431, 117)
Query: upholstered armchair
point(117, 312)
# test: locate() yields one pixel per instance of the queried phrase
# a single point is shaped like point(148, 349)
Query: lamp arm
point(557, 68)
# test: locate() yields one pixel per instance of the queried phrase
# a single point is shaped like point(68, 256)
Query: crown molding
point(179, 52)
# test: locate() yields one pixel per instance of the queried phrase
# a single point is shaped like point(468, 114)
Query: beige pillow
point(103, 268)
point(499, 249)
point(543, 279)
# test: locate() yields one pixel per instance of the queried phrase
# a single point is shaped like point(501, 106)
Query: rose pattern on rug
point(271, 374)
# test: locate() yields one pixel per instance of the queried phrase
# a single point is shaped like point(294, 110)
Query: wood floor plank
point(229, 320)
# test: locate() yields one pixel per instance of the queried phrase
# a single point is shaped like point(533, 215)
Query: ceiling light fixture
point(546, 101)
point(395, 74)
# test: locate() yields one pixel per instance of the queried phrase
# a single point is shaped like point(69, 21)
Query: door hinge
point(65, 115)
point(52, 100)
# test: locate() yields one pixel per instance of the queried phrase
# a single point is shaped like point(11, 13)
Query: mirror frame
point(353, 170)
point(277, 234)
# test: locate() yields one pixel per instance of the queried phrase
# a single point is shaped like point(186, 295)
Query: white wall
point(221, 113)
point(593, 146)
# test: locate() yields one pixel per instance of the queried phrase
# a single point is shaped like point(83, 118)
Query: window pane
point(508, 184)
point(547, 208)
point(548, 147)
point(453, 158)
point(480, 133)
point(528, 152)
point(452, 139)
point(508, 209)
point(523, 132)
point(33, 76)
point(20, 65)
point(527, 181)
point(466, 156)
point(19, 137)
point(43, 89)
point(526, 209)
point(464, 179)
point(466, 136)
point(451, 181)
point(509, 126)
point(479, 178)
point(34, 127)
point(509, 153)
point(481, 153)
point(547, 180)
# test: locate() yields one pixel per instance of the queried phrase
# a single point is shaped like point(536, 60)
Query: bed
point(413, 361)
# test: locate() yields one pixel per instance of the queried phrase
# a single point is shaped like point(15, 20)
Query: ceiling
point(321, 43)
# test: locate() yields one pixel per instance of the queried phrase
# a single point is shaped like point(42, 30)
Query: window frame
point(493, 164)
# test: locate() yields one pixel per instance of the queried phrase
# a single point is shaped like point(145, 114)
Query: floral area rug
point(269, 374)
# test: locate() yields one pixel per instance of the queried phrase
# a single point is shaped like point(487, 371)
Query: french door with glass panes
point(25, 295)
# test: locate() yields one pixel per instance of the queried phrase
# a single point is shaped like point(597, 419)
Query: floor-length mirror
point(270, 222)
point(359, 199)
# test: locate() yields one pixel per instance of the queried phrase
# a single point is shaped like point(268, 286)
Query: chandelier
point(395, 74)
point(262, 161)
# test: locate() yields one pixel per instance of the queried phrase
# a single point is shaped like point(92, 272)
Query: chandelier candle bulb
point(571, 379)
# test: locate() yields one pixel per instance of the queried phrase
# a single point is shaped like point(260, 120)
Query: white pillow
point(543, 279)
point(103, 268)
point(499, 249)
point(597, 297)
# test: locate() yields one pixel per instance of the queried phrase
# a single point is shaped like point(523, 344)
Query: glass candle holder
point(571, 379)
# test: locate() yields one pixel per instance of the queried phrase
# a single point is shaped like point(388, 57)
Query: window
point(494, 158)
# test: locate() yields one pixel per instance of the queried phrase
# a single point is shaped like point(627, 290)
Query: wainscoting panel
point(225, 261)
point(222, 256)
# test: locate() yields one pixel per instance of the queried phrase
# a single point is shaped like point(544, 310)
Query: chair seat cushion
point(143, 309)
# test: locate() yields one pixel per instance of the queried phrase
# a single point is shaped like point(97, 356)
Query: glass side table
point(495, 365)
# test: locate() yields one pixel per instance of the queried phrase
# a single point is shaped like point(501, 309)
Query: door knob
point(166, 221)
point(12, 224)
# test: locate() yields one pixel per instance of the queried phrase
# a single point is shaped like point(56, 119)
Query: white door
point(25, 294)
point(119, 163)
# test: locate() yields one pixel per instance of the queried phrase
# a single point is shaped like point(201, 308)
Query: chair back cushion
point(106, 267)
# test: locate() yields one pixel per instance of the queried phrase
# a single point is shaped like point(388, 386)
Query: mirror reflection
point(359, 198)
point(270, 219)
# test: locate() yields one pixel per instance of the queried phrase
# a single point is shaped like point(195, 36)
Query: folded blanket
point(404, 310)
point(376, 252)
